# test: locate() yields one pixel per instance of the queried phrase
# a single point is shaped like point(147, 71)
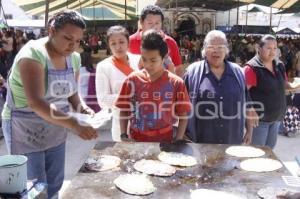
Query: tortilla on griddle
point(135, 184)
point(213, 194)
point(260, 165)
point(154, 167)
point(244, 151)
point(102, 163)
point(177, 159)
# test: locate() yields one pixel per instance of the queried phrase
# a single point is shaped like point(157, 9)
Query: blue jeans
point(281, 128)
point(6, 130)
point(48, 167)
point(266, 134)
point(45, 166)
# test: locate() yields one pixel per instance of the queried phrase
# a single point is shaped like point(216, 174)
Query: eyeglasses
point(215, 47)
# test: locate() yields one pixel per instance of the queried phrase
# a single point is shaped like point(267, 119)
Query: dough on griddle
point(154, 167)
point(102, 163)
point(260, 164)
point(244, 151)
point(213, 194)
point(135, 184)
point(271, 192)
point(177, 159)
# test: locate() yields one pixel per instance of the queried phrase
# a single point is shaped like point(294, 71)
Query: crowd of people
point(152, 96)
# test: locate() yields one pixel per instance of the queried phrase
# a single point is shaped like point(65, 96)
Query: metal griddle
point(216, 170)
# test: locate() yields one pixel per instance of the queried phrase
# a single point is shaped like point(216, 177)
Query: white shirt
point(109, 80)
point(83, 82)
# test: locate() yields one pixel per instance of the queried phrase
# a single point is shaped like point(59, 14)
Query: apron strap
point(69, 61)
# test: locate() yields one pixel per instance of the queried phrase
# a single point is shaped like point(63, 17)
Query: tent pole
point(3, 14)
point(176, 20)
point(228, 20)
point(270, 20)
point(94, 15)
point(1, 8)
point(237, 15)
point(80, 7)
point(46, 13)
point(215, 20)
point(126, 13)
point(279, 21)
point(246, 19)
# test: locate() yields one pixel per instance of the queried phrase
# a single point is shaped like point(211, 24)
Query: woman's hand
point(84, 131)
point(88, 111)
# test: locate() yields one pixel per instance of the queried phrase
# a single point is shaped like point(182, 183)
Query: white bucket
point(13, 174)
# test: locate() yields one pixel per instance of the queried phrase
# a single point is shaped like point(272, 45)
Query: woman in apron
point(111, 73)
point(41, 87)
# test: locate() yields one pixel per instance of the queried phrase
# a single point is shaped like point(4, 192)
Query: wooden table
point(216, 170)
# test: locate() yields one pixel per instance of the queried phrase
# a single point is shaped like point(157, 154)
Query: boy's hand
point(125, 138)
point(181, 141)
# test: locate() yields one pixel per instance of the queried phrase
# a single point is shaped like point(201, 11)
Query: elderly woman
point(217, 90)
point(267, 82)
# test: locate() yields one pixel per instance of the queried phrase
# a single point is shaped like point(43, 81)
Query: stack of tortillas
point(244, 151)
point(154, 167)
point(213, 194)
point(102, 163)
point(177, 159)
point(260, 165)
point(135, 184)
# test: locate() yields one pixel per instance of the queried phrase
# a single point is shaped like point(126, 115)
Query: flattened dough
point(177, 159)
point(260, 165)
point(271, 192)
point(135, 184)
point(154, 167)
point(102, 163)
point(244, 151)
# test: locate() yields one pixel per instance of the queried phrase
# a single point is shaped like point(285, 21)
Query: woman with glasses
point(218, 93)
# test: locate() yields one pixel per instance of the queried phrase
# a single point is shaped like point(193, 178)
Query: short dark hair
point(153, 10)
point(66, 17)
point(117, 30)
point(266, 38)
point(152, 40)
